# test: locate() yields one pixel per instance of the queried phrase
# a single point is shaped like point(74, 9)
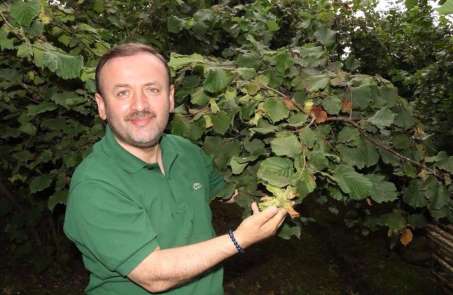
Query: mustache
point(140, 115)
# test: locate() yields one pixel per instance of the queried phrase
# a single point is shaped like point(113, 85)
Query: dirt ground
point(328, 259)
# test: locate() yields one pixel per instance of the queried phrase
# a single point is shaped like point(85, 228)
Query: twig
point(300, 108)
point(382, 145)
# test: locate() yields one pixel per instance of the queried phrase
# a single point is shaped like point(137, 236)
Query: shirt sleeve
point(216, 181)
point(114, 229)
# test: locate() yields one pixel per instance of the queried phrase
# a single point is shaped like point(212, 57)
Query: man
point(138, 206)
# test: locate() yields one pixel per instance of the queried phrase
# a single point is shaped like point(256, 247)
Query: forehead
point(138, 68)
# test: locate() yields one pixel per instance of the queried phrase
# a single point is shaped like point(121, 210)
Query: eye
point(122, 93)
point(153, 90)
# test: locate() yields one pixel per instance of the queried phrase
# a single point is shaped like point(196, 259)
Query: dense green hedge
point(260, 85)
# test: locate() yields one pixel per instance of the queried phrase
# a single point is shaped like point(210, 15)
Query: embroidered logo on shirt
point(196, 186)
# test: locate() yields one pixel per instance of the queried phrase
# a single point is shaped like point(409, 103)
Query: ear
point(171, 97)
point(101, 106)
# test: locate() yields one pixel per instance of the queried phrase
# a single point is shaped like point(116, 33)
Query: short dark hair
point(127, 49)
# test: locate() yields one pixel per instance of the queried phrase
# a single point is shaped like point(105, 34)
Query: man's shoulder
point(95, 166)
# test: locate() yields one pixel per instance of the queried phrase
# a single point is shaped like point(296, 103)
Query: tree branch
point(382, 145)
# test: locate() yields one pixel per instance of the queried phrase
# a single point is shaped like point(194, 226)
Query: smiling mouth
point(140, 118)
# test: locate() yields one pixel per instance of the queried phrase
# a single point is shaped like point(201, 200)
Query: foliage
point(413, 49)
point(260, 87)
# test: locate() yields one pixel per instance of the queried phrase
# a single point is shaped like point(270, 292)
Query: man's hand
point(164, 269)
point(260, 225)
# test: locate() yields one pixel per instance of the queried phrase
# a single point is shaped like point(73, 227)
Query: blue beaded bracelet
point(236, 244)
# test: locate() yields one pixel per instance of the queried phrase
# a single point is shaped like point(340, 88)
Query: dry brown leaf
point(289, 103)
point(346, 105)
point(406, 236)
point(292, 212)
point(319, 114)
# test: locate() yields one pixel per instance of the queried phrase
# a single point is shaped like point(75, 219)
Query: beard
point(140, 137)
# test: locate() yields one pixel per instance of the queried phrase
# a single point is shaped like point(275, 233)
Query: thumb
point(255, 208)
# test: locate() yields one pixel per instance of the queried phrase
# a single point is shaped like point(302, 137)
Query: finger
point(264, 216)
point(278, 219)
point(255, 208)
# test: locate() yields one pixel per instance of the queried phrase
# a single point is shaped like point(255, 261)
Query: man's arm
point(164, 269)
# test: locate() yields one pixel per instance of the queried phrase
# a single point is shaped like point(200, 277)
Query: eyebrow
point(127, 85)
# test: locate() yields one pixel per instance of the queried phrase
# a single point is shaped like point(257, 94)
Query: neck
point(149, 155)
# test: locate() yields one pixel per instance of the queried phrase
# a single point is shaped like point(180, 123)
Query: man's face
point(136, 99)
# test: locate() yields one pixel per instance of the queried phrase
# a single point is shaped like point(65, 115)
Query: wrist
point(232, 235)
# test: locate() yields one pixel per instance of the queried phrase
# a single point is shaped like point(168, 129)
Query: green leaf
point(43, 107)
point(325, 35)
point(99, 6)
point(283, 61)
point(286, 145)
point(308, 137)
point(362, 96)
point(237, 165)
point(28, 128)
point(297, 119)
point(417, 220)
point(306, 184)
point(316, 82)
point(64, 65)
point(437, 194)
point(382, 118)
point(287, 231)
point(383, 191)
point(57, 198)
point(23, 12)
point(246, 73)
point(364, 155)
point(275, 109)
point(68, 99)
point(272, 25)
point(410, 4)
point(248, 60)
point(446, 165)
point(255, 147)
point(221, 122)
point(276, 171)
point(40, 183)
point(332, 104)
point(175, 24)
point(5, 42)
point(313, 56)
point(404, 119)
point(264, 128)
point(203, 20)
point(25, 50)
point(349, 135)
point(446, 8)
point(414, 195)
point(318, 160)
point(182, 126)
point(217, 80)
point(353, 183)
point(221, 149)
point(199, 97)
point(178, 61)
point(395, 221)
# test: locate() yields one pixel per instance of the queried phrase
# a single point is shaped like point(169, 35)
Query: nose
point(140, 102)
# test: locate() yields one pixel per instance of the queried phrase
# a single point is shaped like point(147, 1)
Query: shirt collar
point(131, 163)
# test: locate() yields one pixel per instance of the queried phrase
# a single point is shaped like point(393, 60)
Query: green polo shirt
point(121, 208)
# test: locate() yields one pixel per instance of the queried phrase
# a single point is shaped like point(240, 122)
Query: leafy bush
point(260, 87)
